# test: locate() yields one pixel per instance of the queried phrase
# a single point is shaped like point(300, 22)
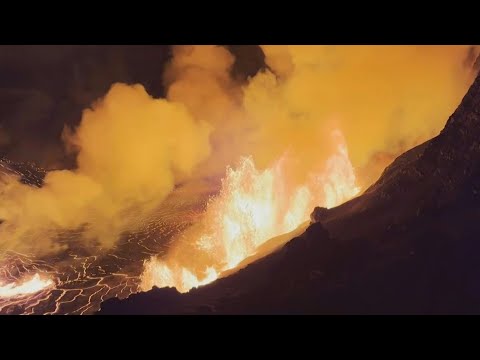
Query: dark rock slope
point(409, 245)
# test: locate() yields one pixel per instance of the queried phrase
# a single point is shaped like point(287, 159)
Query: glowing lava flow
point(252, 207)
point(84, 279)
point(26, 287)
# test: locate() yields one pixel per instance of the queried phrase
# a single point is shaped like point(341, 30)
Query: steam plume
point(383, 98)
point(132, 151)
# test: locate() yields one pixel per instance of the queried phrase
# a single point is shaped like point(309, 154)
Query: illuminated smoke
point(385, 99)
point(132, 151)
point(200, 77)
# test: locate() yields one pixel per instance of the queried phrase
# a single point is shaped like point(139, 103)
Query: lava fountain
point(252, 207)
point(32, 285)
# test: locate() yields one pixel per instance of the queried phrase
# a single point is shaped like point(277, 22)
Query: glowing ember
point(26, 287)
point(253, 207)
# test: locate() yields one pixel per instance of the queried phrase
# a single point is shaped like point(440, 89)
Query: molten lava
point(29, 286)
point(253, 206)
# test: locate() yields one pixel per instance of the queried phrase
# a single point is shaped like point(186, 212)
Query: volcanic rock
point(318, 214)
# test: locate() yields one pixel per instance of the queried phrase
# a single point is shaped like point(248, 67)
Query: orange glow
point(146, 165)
point(252, 207)
point(29, 286)
point(133, 150)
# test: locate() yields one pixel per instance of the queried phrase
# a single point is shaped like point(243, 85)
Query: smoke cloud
point(200, 77)
point(133, 149)
point(383, 98)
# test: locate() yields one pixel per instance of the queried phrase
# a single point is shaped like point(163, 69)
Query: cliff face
point(409, 244)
